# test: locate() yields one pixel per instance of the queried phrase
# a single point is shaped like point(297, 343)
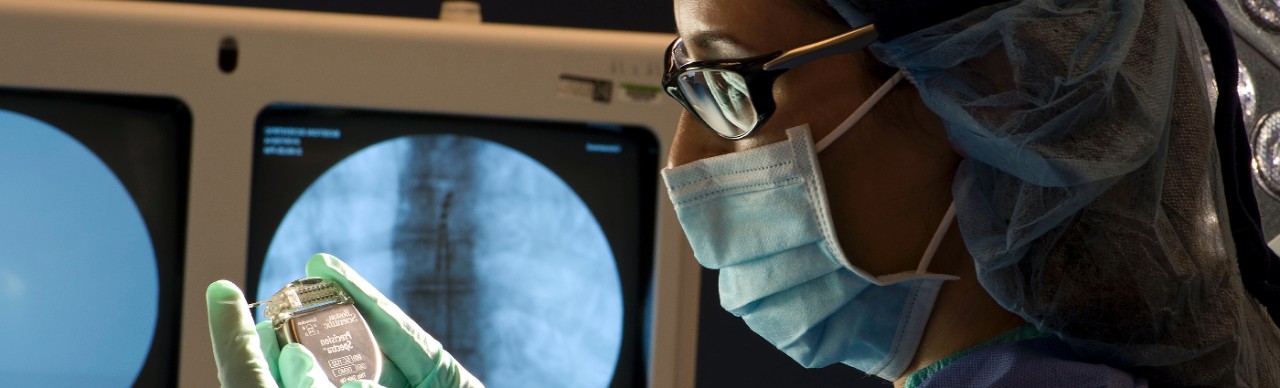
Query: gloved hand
point(250, 357)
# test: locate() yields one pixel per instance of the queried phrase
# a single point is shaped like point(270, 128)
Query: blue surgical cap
point(1091, 197)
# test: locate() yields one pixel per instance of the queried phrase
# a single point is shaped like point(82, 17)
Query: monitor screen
point(93, 192)
point(524, 247)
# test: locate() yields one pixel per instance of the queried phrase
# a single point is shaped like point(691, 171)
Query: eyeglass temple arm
point(846, 42)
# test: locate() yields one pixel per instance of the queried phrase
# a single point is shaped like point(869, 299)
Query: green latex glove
point(249, 356)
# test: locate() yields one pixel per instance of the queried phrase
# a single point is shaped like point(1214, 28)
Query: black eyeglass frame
point(760, 72)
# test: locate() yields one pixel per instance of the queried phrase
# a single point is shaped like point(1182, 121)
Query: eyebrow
point(711, 42)
point(710, 38)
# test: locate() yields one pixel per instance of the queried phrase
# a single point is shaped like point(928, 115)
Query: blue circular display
point(489, 250)
point(78, 278)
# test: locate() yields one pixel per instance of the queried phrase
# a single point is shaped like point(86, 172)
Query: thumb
point(299, 369)
point(235, 339)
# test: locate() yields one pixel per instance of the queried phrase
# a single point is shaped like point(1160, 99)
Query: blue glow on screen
point(489, 250)
point(78, 282)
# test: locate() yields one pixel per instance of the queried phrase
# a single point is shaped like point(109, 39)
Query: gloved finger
point(270, 347)
point(391, 374)
point(236, 346)
point(418, 356)
point(361, 384)
point(299, 369)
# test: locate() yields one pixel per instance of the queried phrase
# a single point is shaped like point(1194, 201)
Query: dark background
point(729, 354)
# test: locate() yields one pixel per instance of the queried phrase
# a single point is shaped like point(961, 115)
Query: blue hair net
point(1091, 196)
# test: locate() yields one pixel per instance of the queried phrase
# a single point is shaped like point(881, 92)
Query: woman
point(1073, 138)
point(1038, 203)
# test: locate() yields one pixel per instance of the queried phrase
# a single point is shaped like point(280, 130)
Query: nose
point(694, 141)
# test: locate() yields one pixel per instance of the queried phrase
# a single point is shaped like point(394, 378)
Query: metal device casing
point(318, 314)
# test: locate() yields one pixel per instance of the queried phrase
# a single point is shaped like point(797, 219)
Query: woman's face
point(888, 178)
point(817, 93)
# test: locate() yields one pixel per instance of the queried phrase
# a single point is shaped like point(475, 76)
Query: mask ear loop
point(945, 225)
point(861, 111)
point(937, 239)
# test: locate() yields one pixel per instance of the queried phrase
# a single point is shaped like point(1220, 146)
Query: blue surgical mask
point(761, 217)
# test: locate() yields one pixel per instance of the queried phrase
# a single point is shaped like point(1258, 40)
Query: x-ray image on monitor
point(482, 231)
point(92, 196)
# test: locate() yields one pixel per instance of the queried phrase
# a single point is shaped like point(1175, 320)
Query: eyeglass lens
point(721, 99)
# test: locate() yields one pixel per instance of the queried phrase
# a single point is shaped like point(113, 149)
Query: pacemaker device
point(320, 315)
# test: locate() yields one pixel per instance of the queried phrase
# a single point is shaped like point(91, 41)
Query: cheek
point(693, 142)
point(822, 94)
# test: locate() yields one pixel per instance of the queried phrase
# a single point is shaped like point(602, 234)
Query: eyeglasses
point(733, 97)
